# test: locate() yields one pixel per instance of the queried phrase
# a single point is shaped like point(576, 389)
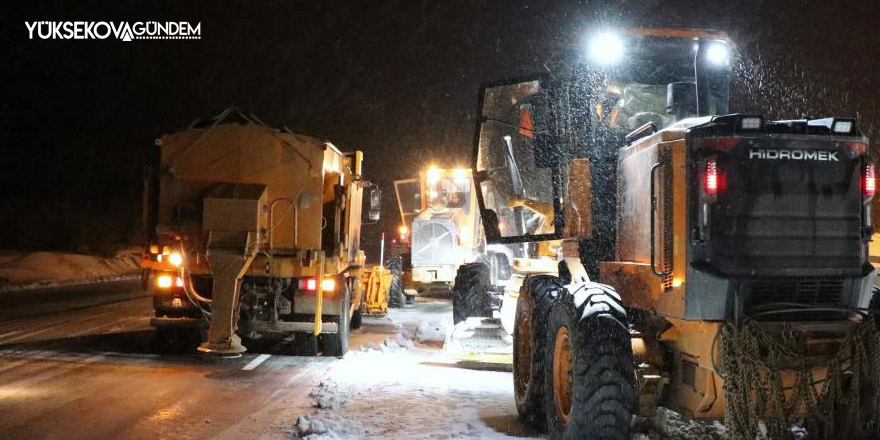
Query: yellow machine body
point(286, 206)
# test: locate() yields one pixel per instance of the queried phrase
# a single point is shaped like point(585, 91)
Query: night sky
point(398, 79)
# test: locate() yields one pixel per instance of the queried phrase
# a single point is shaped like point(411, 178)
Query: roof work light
point(606, 48)
point(718, 53)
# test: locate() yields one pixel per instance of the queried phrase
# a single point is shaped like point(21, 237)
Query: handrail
point(653, 220)
point(638, 133)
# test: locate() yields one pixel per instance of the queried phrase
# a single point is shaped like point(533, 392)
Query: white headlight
point(606, 48)
point(175, 259)
point(717, 53)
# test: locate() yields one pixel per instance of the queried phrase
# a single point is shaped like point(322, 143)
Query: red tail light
point(869, 181)
point(711, 180)
point(311, 284)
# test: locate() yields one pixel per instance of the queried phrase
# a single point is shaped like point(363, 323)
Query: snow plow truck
point(254, 232)
point(712, 263)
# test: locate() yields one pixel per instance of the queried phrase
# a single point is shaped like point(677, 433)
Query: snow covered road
point(402, 386)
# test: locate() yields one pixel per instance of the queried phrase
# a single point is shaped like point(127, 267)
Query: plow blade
point(480, 343)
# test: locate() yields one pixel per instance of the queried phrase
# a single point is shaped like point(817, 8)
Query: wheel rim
point(562, 374)
point(523, 350)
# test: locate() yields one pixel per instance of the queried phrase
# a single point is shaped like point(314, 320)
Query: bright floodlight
point(606, 48)
point(459, 174)
point(717, 53)
point(434, 174)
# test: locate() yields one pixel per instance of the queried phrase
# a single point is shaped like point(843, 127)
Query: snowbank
point(43, 269)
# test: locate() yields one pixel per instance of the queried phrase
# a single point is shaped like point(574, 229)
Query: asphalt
point(82, 362)
point(96, 371)
point(44, 300)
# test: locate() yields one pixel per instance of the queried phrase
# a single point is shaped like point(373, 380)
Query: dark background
point(398, 79)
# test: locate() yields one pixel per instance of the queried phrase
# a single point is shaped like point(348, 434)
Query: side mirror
point(681, 99)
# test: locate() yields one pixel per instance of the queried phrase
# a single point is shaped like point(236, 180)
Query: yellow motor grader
point(440, 226)
point(713, 263)
point(254, 231)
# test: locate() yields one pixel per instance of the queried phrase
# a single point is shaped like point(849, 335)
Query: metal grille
point(814, 291)
point(432, 243)
point(666, 158)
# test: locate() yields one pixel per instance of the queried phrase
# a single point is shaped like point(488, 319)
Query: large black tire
point(602, 398)
point(472, 292)
point(336, 344)
point(396, 296)
point(536, 298)
point(357, 319)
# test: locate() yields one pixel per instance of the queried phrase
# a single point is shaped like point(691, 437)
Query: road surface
point(97, 371)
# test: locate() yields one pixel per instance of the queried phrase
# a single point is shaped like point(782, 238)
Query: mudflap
point(480, 343)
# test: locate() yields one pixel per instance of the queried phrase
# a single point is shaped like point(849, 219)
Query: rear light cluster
point(869, 187)
point(710, 182)
point(714, 180)
point(869, 181)
point(164, 253)
point(167, 281)
point(311, 284)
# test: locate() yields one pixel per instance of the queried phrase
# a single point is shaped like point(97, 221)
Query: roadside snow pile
point(408, 394)
point(40, 269)
point(391, 344)
point(670, 425)
point(401, 340)
point(433, 331)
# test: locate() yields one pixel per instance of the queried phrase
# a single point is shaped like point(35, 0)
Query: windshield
point(409, 200)
point(656, 81)
point(582, 109)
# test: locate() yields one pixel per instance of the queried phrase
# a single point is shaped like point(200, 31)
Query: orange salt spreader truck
point(254, 232)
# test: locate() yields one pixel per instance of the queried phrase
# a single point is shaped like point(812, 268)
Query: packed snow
point(669, 425)
point(43, 269)
point(401, 388)
point(405, 387)
point(378, 394)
